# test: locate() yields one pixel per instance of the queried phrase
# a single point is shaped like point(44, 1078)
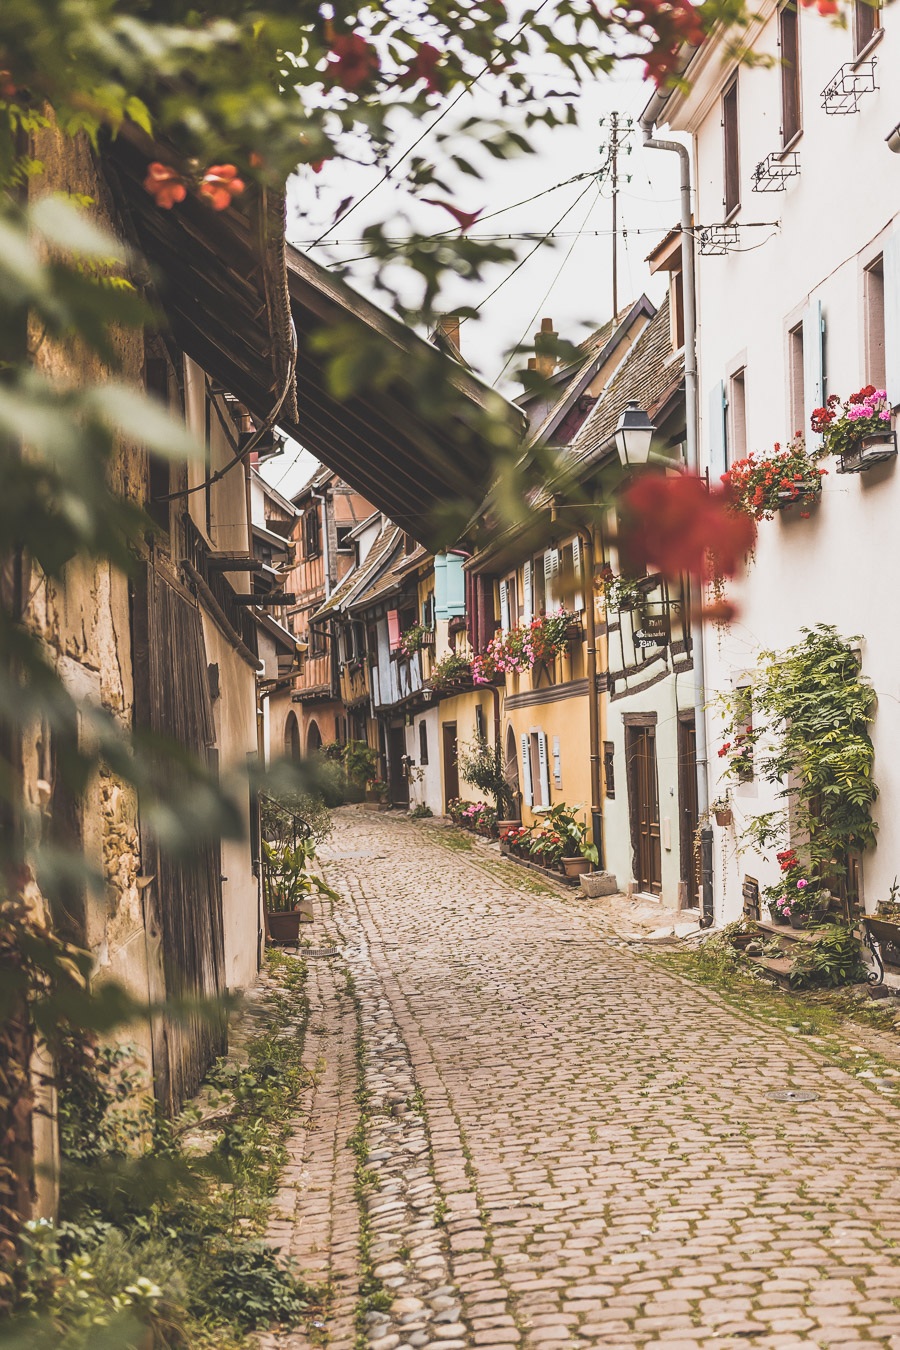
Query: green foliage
point(572, 831)
point(835, 958)
point(812, 711)
point(482, 765)
point(421, 812)
point(360, 761)
point(251, 1287)
point(451, 669)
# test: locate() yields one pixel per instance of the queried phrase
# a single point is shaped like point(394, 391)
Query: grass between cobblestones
point(826, 1019)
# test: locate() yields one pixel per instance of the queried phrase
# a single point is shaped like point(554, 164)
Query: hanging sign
point(655, 631)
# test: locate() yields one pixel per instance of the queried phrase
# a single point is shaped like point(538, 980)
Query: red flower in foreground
point(356, 61)
point(465, 219)
point(823, 6)
point(673, 524)
point(220, 183)
point(165, 185)
point(423, 66)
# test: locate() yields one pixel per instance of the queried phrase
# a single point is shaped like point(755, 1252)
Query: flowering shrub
point(503, 655)
point(788, 477)
point(546, 636)
point(450, 670)
point(863, 414)
point(472, 815)
point(378, 788)
point(739, 753)
point(620, 592)
point(546, 845)
point(413, 640)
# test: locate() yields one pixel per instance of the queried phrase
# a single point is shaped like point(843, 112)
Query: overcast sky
point(568, 279)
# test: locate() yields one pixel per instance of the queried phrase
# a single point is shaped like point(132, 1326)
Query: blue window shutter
point(718, 462)
point(813, 369)
point(456, 586)
point(440, 587)
point(891, 265)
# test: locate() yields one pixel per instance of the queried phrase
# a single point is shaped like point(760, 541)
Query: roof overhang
point(413, 469)
point(220, 276)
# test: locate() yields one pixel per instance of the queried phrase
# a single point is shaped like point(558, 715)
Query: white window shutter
point(891, 265)
point(551, 571)
point(718, 460)
point(504, 606)
point(813, 368)
point(578, 570)
point(544, 767)
point(557, 764)
point(527, 784)
point(527, 592)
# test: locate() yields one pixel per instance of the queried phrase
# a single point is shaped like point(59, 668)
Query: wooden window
point(317, 644)
point(344, 542)
point(676, 295)
point(311, 534)
point(743, 723)
point(731, 149)
point(789, 44)
point(609, 768)
point(866, 23)
point(423, 743)
point(796, 391)
point(873, 300)
point(737, 418)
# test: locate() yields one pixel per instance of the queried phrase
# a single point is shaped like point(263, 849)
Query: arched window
point(313, 738)
point(511, 766)
point(292, 737)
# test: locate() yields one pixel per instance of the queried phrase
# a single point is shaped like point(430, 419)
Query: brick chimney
point(546, 361)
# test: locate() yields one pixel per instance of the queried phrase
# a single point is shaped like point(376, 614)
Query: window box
point(874, 448)
point(804, 493)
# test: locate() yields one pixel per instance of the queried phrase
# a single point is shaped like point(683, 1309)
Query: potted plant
point(789, 477)
point(861, 433)
point(286, 885)
point(451, 671)
point(808, 905)
point(378, 794)
point(578, 856)
point(482, 765)
point(721, 809)
point(414, 639)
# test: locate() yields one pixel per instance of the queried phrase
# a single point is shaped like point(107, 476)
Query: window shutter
point(544, 768)
point(504, 606)
point(393, 622)
point(891, 266)
point(440, 587)
point(527, 592)
point(718, 462)
point(813, 368)
point(551, 571)
point(578, 571)
point(557, 764)
point(526, 771)
point(456, 586)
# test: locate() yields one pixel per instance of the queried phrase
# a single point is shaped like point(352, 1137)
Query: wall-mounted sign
point(655, 631)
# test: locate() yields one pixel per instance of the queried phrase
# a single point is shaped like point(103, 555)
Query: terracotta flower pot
point(284, 925)
point(724, 817)
point(575, 867)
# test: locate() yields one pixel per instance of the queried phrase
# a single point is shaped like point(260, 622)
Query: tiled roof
point(356, 580)
point(648, 375)
point(592, 346)
point(389, 580)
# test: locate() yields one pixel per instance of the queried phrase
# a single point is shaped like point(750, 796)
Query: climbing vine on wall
point(811, 711)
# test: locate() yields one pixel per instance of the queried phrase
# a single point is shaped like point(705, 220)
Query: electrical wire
point(469, 84)
point(546, 294)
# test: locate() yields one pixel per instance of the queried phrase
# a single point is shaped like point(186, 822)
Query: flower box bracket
point(876, 448)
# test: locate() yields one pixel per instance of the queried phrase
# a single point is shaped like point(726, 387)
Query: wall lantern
point(634, 433)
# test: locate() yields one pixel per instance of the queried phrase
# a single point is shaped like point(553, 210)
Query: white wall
point(428, 788)
point(837, 566)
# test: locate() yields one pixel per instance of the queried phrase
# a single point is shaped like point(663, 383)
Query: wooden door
point(687, 806)
point(399, 783)
point(644, 808)
point(451, 764)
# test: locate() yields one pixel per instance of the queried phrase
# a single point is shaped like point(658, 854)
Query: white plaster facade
point(835, 219)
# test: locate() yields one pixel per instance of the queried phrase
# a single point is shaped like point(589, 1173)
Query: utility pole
point(619, 138)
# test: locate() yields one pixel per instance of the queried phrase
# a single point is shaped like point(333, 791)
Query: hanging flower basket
point(860, 433)
point(875, 448)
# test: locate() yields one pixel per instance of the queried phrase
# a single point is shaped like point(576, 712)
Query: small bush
point(248, 1286)
point(835, 958)
point(421, 812)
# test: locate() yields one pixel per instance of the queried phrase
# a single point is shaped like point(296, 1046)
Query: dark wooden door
point(644, 808)
point(399, 783)
point(451, 764)
point(687, 806)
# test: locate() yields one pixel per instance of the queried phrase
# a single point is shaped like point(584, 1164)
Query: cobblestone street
point(559, 1143)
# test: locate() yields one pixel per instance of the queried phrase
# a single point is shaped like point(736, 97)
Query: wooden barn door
point(183, 903)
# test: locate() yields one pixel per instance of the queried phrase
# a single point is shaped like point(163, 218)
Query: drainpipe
point(587, 539)
point(648, 123)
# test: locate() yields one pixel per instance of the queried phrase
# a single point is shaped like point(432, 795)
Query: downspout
point(648, 123)
point(587, 538)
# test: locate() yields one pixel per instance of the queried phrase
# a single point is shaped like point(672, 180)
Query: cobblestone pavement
point(566, 1146)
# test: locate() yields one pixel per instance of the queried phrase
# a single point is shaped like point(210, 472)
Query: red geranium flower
point(673, 524)
point(423, 66)
point(355, 63)
point(165, 185)
point(220, 183)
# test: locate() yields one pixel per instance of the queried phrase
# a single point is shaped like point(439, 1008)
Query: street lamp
point(634, 432)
